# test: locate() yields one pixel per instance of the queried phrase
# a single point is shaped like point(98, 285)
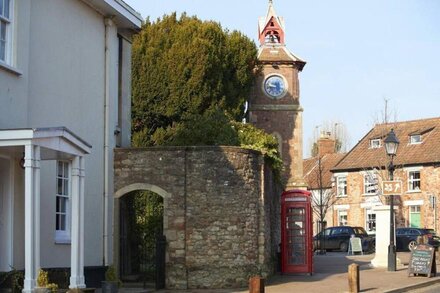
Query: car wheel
point(412, 245)
point(343, 246)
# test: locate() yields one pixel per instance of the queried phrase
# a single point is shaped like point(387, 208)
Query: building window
point(370, 221)
point(370, 183)
point(414, 181)
point(375, 143)
point(414, 216)
point(342, 218)
point(5, 30)
point(415, 139)
point(62, 210)
point(341, 186)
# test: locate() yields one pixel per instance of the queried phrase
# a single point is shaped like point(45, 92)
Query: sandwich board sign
point(422, 261)
point(355, 245)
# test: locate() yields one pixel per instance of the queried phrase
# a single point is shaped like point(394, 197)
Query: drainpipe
point(105, 226)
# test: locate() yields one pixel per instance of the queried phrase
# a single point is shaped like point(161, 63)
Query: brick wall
point(358, 201)
point(282, 117)
point(218, 218)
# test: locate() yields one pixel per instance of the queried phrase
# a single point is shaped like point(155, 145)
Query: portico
point(21, 153)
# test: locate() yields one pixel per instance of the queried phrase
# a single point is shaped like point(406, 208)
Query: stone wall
point(221, 211)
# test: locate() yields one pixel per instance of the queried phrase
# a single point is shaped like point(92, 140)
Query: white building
point(62, 63)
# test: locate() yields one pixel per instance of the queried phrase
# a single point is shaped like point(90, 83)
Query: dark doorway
point(142, 244)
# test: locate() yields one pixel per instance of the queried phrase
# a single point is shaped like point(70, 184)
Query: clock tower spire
point(274, 103)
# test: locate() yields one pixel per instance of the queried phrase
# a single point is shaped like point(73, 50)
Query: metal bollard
point(256, 285)
point(353, 278)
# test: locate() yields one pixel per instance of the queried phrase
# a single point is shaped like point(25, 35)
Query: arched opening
point(139, 236)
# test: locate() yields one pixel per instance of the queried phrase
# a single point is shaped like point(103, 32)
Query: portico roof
point(54, 141)
point(122, 13)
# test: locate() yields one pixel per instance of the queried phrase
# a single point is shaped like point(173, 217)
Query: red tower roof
point(271, 27)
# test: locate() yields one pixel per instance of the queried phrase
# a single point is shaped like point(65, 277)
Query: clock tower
point(274, 104)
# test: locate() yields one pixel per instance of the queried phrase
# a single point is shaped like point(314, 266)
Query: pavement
point(331, 276)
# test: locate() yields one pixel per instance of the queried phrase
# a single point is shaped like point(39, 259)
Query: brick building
point(319, 179)
point(359, 174)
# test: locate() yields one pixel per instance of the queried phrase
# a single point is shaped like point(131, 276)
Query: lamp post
point(391, 144)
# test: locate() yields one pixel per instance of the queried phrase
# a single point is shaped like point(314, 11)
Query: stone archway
point(141, 186)
point(220, 204)
point(136, 238)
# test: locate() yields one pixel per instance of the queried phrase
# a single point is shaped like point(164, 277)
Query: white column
point(76, 278)
point(37, 195)
point(382, 236)
point(32, 216)
point(81, 223)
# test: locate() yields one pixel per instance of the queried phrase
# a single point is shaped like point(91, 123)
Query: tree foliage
point(182, 67)
point(190, 81)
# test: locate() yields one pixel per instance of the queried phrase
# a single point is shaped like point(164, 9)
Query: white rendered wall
point(14, 87)
point(60, 51)
point(66, 88)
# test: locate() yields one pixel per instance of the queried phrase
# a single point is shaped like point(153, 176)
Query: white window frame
point(375, 143)
point(9, 23)
point(415, 139)
point(370, 179)
point(342, 217)
point(341, 185)
point(369, 215)
point(412, 181)
point(62, 236)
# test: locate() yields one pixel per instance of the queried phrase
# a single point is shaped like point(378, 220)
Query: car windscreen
point(359, 231)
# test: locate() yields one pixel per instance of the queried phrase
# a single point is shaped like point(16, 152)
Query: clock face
point(275, 87)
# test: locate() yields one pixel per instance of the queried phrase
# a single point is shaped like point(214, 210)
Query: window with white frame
point(375, 143)
point(342, 217)
point(414, 180)
point(341, 185)
point(62, 210)
point(370, 224)
point(370, 183)
point(415, 139)
point(5, 30)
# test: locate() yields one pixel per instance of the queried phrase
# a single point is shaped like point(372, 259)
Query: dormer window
point(375, 143)
point(415, 139)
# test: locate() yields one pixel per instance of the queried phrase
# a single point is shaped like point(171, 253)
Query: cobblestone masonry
point(221, 215)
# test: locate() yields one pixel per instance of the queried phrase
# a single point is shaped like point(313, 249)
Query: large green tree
point(182, 68)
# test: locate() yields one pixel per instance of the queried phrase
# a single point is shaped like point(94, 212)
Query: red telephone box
point(296, 232)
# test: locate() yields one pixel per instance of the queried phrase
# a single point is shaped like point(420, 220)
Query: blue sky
point(358, 54)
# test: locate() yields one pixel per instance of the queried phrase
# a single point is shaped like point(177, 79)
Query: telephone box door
point(296, 232)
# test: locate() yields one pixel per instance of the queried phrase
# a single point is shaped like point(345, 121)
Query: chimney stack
point(326, 144)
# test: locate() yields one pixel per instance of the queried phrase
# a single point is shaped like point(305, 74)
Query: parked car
point(406, 238)
point(338, 238)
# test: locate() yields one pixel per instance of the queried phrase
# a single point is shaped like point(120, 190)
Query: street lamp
point(391, 144)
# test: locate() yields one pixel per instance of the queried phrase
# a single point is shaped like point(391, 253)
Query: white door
point(5, 215)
